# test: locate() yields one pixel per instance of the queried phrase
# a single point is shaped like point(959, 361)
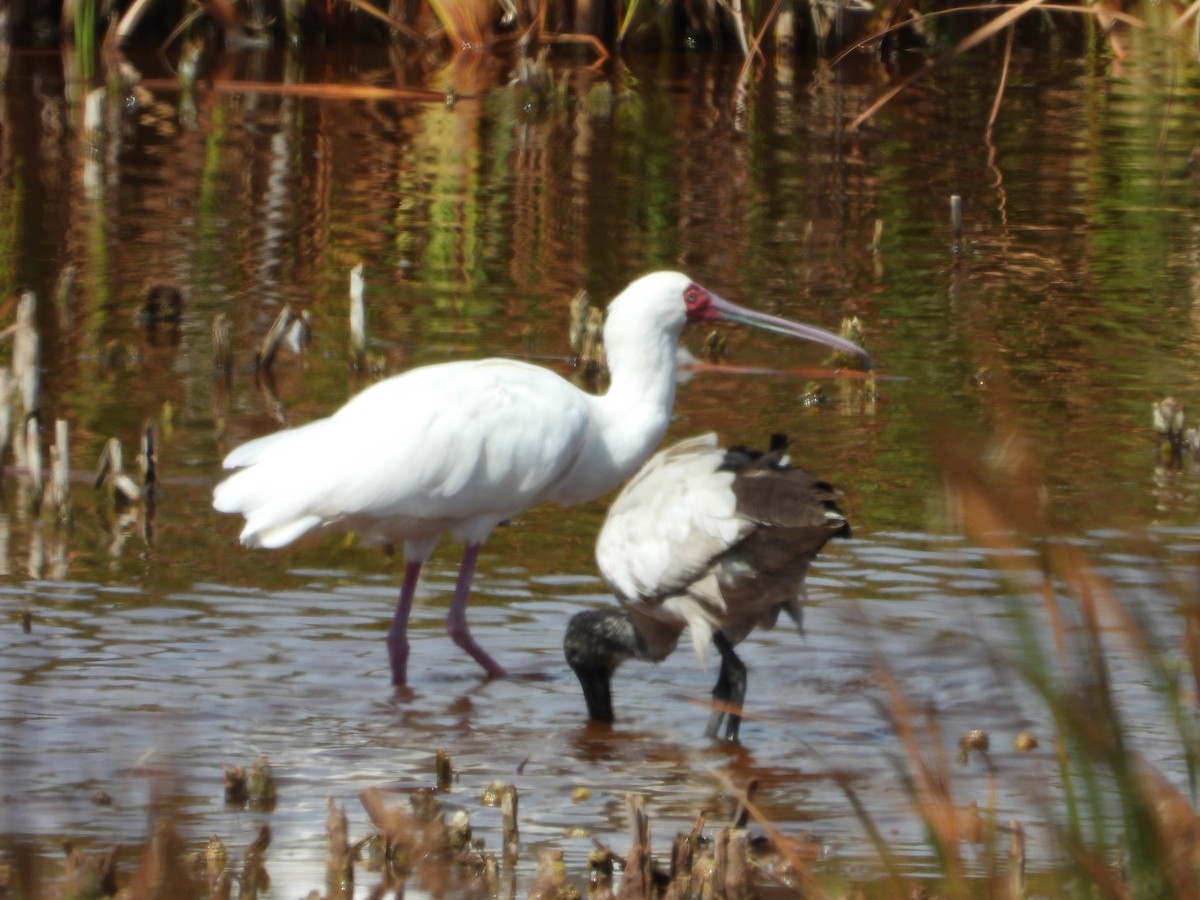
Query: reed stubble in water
point(358, 318)
point(265, 358)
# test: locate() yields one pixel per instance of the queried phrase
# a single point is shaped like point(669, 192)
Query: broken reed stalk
point(299, 336)
point(720, 857)
point(7, 385)
point(33, 464)
point(737, 882)
point(956, 218)
point(339, 855)
point(64, 294)
point(358, 317)
point(222, 344)
point(508, 818)
point(727, 869)
point(59, 492)
point(265, 357)
point(683, 853)
point(741, 816)
point(600, 873)
point(550, 880)
point(27, 352)
point(636, 882)
point(1016, 861)
point(111, 470)
point(148, 457)
point(445, 771)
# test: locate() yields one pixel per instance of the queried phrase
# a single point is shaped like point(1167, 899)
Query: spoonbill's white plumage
point(461, 446)
point(716, 540)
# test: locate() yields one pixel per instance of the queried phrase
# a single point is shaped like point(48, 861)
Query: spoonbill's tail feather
point(272, 519)
point(280, 535)
point(253, 451)
point(265, 490)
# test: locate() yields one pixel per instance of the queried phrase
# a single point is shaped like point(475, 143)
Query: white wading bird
point(463, 446)
point(717, 540)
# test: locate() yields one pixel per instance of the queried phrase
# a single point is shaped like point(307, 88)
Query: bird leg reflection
point(456, 622)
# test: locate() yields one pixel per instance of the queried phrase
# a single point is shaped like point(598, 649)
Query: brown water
point(150, 663)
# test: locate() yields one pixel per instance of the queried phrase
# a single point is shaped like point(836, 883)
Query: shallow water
point(146, 694)
point(154, 658)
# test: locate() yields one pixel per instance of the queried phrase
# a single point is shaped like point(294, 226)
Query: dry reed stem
point(636, 883)
point(1161, 830)
point(130, 19)
point(787, 847)
point(7, 389)
point(972, 40)
point(26, 356)
point(339, 854)
point(1187, 15)
point(390, 21)
point(463, 20)
point(509, 804)
point(587, 40)
point(1010, 36)
point(358, 316)
point(275, 335)
point(320, 91)
point(222, 343)
point(935, 801)
point(444, 770)
point(398, 828)
point(59, 491)
point(755, 48)
point(33, 463)
point(147, 458)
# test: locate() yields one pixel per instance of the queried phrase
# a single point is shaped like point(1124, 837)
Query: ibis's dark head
point(596, 642)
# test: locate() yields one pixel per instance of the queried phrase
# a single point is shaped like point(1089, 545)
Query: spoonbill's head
point(666, 301)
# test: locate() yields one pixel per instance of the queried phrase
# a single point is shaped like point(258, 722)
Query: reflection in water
point(158, 651)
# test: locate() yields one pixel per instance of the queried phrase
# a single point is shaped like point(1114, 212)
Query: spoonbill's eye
point(693, 297)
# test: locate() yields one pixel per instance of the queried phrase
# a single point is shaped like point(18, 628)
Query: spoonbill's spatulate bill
point(461, 446)
point(717, 540)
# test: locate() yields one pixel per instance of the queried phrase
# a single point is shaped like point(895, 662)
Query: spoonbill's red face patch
point(698, 302)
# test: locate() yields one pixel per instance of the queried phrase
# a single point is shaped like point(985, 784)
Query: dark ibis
point(716, 540)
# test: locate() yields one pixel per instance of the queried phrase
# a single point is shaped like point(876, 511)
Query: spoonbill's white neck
point(641, 335)
point(636, 409)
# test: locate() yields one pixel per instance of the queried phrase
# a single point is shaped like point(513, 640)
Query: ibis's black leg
point(729, 693)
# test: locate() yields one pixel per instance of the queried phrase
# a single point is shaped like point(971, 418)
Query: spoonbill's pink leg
point(398, 634)
point(456, 622)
